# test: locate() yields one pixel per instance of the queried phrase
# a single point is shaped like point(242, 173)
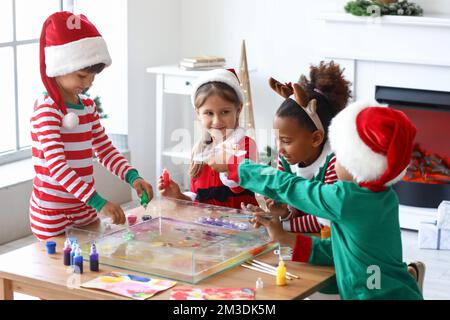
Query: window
point(20, 27)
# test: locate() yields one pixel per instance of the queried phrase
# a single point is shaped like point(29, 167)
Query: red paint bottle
point(66, 252)
point(166, 178)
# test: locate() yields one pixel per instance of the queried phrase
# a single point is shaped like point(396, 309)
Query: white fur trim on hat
point(76, 55)
point(227, 182)
point(396, 179)
point(351, 152)
point(218, 75)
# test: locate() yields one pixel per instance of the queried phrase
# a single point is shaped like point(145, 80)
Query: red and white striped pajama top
point(62, 160)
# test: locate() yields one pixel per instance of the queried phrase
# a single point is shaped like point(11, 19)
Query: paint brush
point(259, 269)
point(266, 216)
point(267, 269)
point(274, 268)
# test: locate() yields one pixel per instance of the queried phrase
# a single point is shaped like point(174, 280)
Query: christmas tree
point(246, 118)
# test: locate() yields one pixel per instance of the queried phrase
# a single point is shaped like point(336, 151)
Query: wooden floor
point(437, 276)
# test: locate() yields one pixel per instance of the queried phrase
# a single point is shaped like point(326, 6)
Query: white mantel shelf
point(440, 21)
point(395, 39)
point(388, 59)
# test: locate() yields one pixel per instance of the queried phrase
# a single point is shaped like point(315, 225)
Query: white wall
point(110, 18)
point(153, 39)
point(283, 38)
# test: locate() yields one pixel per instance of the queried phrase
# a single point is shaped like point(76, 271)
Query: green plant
point(367, 8)
point(358, 7)
point(98, 104)
point(269, 156)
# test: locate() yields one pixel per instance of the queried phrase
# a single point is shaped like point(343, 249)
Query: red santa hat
point(374, 143)
point(227, 76)
point(68, 43)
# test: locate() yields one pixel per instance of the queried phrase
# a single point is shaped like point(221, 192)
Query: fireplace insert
point(427, 180)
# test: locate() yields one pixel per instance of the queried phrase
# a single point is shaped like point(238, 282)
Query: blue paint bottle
point(72, 252)
point(93, 258)
point(78, 261)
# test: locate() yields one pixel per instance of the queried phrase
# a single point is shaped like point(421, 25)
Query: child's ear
point(238, 111)
point(317, 138)
point(239, 108)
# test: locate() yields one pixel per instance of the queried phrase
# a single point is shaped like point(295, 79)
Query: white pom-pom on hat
point(70, 121)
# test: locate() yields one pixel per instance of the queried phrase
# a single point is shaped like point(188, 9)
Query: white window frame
point(25, 152)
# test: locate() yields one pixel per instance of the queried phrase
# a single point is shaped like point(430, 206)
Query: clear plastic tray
point(174, 244)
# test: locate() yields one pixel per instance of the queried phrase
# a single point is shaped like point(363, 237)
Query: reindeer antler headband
point(301, 97)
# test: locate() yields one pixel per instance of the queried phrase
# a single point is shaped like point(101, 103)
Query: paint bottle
point(166, 178)
point(51, 247)
point(259, 284)
point(93, 258)
point(78, 261)
point(281, 274)
point(325, 232)
point(72, 252)
point(131, 219)
point(66, 252)
point(144, 199)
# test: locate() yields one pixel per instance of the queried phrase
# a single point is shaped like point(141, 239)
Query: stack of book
point(202, 63)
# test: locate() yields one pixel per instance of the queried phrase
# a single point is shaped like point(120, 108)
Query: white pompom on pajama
point(70, 121)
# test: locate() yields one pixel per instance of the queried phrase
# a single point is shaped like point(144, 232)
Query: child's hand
point(273, 226)
point(254, 209)
point(172, 191)
point(140, 185)
point(277, 209)
point(218, 161)
point(113, 211)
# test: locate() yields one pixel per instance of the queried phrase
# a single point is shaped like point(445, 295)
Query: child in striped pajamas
point(303, 144)
point(66, 131)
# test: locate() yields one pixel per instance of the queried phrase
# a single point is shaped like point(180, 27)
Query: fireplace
point(427, 181)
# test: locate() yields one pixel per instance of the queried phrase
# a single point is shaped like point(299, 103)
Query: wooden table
point(30, 270)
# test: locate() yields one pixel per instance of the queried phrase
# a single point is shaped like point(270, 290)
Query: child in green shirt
point(373, 147)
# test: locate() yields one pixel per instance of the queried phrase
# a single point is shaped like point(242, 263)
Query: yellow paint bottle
point(281, 274)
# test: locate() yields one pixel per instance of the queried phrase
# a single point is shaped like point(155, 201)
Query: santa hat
point(68, 43)
point(374, 143)
point(227, 76)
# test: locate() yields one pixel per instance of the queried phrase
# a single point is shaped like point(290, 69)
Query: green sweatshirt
point(365, 245)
